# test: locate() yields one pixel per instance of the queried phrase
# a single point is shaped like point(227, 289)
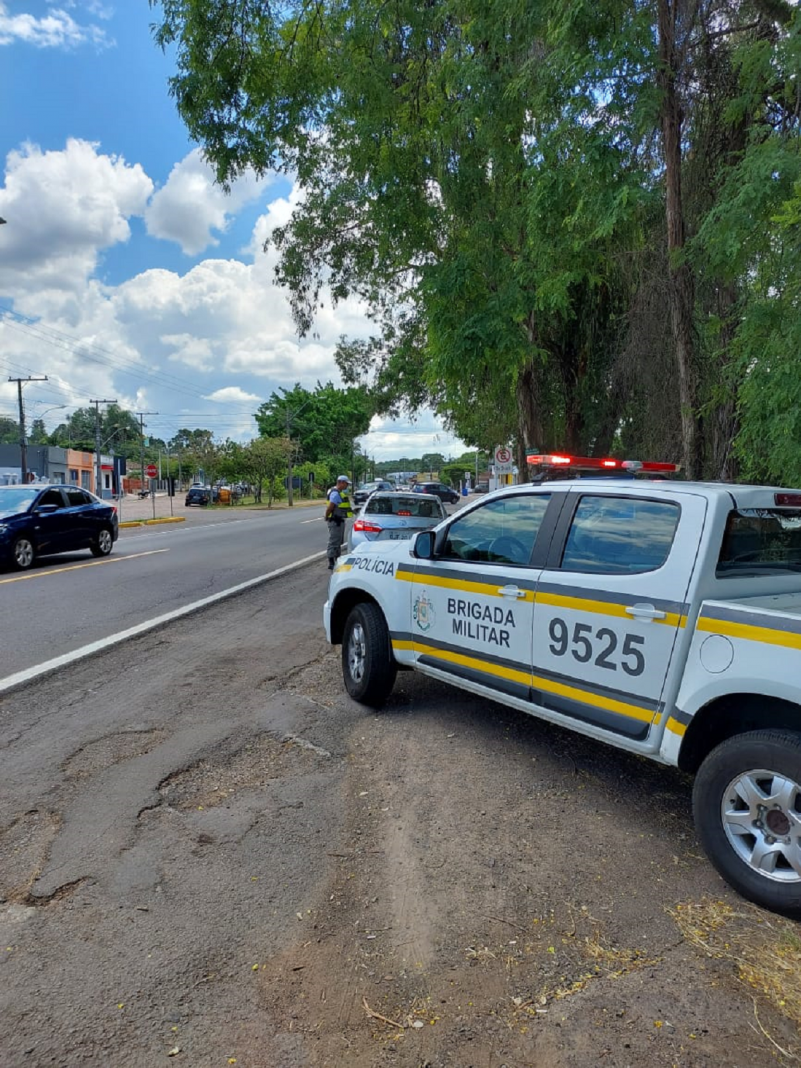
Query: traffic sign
point(151, 471)
point(503, 460)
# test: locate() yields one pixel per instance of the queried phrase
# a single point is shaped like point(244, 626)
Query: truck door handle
point(511, 591)
point(644, 611)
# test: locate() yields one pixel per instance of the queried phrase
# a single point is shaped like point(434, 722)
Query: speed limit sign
point(503, 460)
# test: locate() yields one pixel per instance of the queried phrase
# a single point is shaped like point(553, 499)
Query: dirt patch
point(24, 847)
point(213, 781)
point(504, 895)
point(113, 749)
point(763, 950)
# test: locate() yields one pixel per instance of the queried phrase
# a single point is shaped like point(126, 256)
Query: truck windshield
point(761, 540)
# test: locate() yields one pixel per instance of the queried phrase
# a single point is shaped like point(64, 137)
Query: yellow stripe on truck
point(675, 727)
point(603, 608)
point(750, 633)
point(488, 589)
point(623, 708)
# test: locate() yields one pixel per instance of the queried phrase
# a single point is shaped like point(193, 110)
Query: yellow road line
point(79, 567)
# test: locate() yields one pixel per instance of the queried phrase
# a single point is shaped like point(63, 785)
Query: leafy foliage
point(575, 225)
point(323, 422)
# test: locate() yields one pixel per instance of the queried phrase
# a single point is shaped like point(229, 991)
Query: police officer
point(337, 511)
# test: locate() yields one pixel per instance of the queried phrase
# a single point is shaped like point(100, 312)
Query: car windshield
point(761, 539)
point(419, 506)
point(16, 499)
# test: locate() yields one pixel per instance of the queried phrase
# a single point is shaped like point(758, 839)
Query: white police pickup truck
point(661, 617)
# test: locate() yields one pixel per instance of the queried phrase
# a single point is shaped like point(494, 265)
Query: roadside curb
point(151, 522)
point(22, 678)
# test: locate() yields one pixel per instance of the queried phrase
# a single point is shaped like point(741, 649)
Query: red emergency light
point(595, 463)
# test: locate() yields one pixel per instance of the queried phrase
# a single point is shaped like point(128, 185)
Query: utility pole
point(290, 500)
point(98, 464)
point(142, 446)
point(23, 440)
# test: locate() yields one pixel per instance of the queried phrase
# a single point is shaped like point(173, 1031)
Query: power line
point(96, 353)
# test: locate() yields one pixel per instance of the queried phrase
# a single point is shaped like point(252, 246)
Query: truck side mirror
point(423, 545)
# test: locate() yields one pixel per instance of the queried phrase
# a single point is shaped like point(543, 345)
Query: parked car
point(198, 495)
point(41, 520)
point(481, 487)
point(395, 517)
point(361, 494)
point(439, 489)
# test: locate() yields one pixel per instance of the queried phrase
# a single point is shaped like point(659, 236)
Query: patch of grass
point(764, 949)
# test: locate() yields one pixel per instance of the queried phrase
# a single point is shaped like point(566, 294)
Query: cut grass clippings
point(764, 949)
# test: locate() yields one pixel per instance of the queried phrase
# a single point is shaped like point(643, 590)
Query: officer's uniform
point(336, 523)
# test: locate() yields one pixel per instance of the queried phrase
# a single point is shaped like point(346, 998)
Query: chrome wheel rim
point(357, 653)
point(761, 814)
point(104, 541)
point(23, 553)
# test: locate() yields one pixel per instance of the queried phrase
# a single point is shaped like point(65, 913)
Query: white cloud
point(190, 206)
point(409, 437)
point(202, 348)
point(56, 29)
point(62, 208)
point(233, 395)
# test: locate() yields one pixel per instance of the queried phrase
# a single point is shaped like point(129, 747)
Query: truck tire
point(368, 666)
point(747, 807)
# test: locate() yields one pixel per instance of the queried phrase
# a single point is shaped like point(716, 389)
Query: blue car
point(44, 520)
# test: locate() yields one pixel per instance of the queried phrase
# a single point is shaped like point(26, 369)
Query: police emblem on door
point(423, 613)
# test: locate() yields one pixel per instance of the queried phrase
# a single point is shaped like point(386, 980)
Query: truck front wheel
point(747, 806)
point(368, 666)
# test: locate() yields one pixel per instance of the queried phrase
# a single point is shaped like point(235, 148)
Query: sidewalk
point(132, 509)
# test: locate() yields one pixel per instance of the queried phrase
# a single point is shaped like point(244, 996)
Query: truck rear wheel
point(368, 666)
point(747, 806)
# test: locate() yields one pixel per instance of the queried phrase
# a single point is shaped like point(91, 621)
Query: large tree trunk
point(571, 371)
point(531, 429)
point(681, 289)
point(725, 424)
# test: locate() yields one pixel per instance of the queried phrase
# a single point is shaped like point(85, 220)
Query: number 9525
point(599, 646)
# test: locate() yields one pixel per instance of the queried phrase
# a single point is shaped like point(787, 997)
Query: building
point(48, 463)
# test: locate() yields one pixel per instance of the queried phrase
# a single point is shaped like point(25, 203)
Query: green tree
point(9, 431)
point(324, 422)
point(265, 462)
point(525, 196)
point(119, 430)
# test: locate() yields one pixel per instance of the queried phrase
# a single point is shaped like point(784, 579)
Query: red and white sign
point(151, 471)
point(503, 460)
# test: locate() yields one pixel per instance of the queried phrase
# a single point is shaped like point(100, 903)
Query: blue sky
point(124, 271)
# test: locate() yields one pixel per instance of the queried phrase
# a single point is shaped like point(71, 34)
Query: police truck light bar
point(594, 463)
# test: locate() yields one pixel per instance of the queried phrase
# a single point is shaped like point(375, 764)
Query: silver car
point(395, 517)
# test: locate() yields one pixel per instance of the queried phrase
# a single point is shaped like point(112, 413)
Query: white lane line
point(317, 519)
point(78, 567)
point(28, 674)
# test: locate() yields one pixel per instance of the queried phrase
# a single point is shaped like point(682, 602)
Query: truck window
point(619, 535)
point(502, 531)
point(766, 540)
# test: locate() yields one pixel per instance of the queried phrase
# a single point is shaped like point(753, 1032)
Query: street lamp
point(55, 408)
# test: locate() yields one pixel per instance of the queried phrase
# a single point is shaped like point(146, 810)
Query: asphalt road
point(69, 601)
